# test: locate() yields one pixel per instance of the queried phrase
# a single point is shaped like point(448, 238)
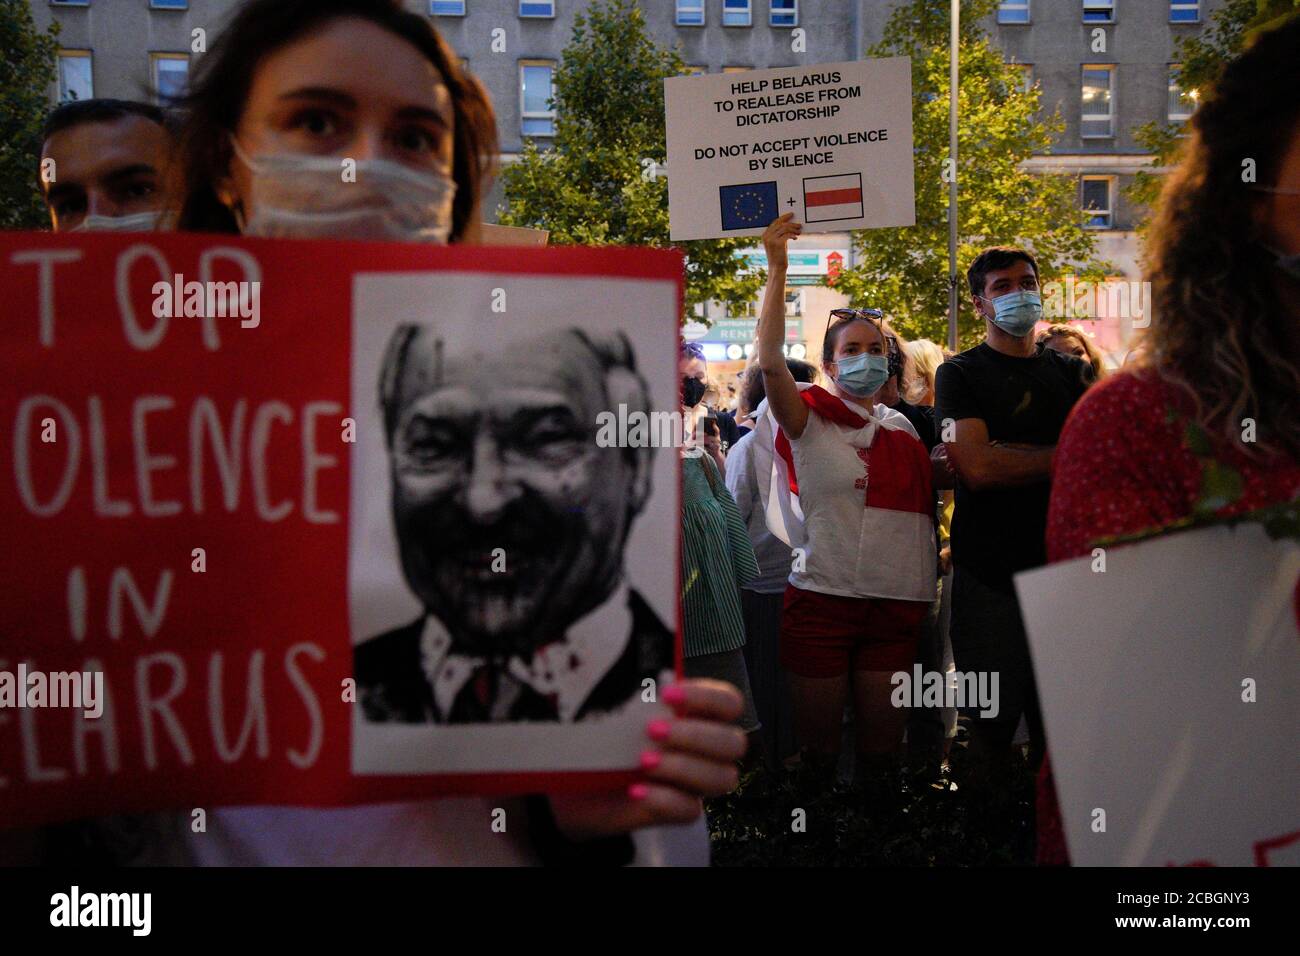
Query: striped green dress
point(717, 559)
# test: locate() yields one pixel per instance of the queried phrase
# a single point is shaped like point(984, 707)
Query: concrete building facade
point(1105, 65)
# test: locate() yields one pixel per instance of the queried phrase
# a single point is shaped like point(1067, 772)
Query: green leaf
point(1220, 487)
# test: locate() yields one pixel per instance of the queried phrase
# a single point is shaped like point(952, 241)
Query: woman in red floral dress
point(1208, 422)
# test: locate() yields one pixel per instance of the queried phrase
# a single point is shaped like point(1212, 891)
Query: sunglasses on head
point(874, 316)
point(858, 313)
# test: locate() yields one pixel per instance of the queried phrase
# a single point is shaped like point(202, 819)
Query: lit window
point(537, 115)
point(1098, 11)
point(1184, 11)
point(537, 8)
point(690, 13)
point(1013, 11)
point(736, 69)
point(736, 13)
point(1096, 118)
point(1096, 200)
point(1182, 103)
point(784, 13)
point(170, 73)
point(169, 4)
point(76, 80)
point(447, 8)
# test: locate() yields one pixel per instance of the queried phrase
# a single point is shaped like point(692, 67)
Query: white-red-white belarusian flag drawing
point(832, 197)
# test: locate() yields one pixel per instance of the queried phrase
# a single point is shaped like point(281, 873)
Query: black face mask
point(692, 391)
point(895, 362)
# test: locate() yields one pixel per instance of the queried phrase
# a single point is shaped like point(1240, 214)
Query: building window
point(1184, 11)
point(736, 69)
point(71, 3)
point(1098, 11)
point(1096, 200)
point(1026, 71)
point(784, 13)
point(447, 8)
point(1182, 103)
point(169, 71)
point(1013, 11)
point(690, 70)
point(537, 115)
point(1097, 115)
point(537, 8)
point(76, 81)
point(736, 13)
point(690, 13)
point(170, 4)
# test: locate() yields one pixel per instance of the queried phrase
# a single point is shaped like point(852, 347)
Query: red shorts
point(824, 635)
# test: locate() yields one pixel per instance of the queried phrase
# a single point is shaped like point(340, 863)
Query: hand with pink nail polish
point(689, 756)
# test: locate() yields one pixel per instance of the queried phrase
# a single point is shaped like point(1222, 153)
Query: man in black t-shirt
point(1000, 407)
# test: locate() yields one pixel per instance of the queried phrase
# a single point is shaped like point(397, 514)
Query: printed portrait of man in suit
point(511, 522)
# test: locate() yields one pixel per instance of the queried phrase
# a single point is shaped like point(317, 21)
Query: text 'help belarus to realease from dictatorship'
point(830, 143)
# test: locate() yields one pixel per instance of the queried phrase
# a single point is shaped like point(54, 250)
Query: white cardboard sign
point(1142, 672)
point(831, 143)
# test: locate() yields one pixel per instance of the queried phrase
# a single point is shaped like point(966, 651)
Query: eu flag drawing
point(748, 205)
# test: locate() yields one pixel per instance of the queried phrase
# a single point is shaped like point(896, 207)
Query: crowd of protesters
point(842, 522)
point(1045, 451)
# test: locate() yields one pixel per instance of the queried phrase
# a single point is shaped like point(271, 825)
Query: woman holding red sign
point(291, 130)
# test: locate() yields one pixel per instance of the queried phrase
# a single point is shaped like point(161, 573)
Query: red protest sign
point(326, 523)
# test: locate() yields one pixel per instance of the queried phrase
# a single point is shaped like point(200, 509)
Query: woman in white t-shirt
point(862, 537)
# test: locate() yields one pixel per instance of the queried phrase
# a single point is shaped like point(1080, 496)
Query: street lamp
point(952, 184)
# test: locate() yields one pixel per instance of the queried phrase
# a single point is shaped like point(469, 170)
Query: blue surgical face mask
point(1016, 313)
point(862, 375)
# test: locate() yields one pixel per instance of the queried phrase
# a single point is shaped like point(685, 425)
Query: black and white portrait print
point(511, 527)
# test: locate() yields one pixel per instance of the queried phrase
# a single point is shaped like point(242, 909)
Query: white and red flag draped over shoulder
point(897, 505)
